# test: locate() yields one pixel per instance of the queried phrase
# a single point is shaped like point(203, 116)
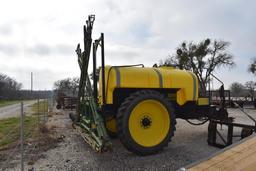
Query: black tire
point(123, 116)
point(58, 106)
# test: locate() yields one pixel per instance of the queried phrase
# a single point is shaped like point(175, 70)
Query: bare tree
point(202, 58)
point(68, 86)
point(252, 66)
point(251, 86)
point(236, 89)
point(8, 87)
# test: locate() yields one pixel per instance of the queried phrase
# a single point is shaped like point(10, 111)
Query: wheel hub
point(146, 122)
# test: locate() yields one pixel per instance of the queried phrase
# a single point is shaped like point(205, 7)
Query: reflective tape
point(160, 77)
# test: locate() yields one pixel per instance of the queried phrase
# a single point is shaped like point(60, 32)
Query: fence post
point(47, 109)
point(38, 114)
point(22, 135)
point(44, 110)
point(49, 106)
point(53, 102)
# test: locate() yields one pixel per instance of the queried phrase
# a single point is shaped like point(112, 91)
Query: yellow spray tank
point(118, 77)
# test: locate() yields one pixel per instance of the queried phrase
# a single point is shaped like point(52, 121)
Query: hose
point(201, 123)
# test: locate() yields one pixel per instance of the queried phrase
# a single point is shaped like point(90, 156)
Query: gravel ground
point(187, 146)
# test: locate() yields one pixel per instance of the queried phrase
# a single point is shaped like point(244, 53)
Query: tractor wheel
point(145, 122)
point(58, 106)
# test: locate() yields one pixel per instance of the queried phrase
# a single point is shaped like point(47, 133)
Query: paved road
point(14, 110)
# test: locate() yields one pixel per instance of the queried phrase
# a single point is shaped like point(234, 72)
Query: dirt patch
point(1, 135)
point(38, 147)
point(47, 139)
point(51, 114)
point(55, 113)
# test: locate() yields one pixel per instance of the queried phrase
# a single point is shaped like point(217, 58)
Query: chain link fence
point(18, 134)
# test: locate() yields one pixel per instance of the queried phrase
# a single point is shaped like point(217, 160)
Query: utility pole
point(31, 81)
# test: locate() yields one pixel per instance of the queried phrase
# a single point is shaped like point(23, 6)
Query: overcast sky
point(41, 36)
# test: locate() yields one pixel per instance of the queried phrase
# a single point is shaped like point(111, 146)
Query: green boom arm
point(89, 122)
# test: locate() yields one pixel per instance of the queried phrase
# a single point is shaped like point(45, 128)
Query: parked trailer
point(70, 103)
point(65, 102)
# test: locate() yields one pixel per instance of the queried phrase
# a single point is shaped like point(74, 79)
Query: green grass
point(43, 106)
point(10, 130)
point(10, 127)
point(8, 102)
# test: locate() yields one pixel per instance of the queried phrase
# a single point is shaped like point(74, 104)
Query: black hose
point(201, 123)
